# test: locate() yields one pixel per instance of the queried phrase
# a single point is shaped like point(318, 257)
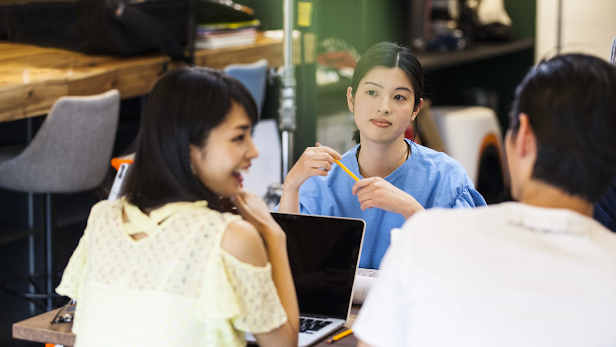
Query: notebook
point(324, 256)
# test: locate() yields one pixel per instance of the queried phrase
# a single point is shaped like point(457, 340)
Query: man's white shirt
point(507, 275)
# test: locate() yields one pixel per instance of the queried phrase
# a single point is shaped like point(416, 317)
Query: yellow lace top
point(175, 287)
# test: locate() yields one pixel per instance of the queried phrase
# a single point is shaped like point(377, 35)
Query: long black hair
point(182, 109)
point(390, 55)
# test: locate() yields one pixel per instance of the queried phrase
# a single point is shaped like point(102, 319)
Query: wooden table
point(38, 329)
point(32, 78)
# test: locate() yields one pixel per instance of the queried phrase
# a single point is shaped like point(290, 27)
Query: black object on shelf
point(436, 60)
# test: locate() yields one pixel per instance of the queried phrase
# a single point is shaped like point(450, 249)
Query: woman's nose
point(252, 152)
point(384, 107)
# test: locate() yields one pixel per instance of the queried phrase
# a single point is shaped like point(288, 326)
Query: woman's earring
point(192, 168)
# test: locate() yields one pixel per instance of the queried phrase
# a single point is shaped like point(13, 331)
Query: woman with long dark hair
point(164, 265)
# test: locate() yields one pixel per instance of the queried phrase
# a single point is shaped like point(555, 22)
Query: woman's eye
point(400, 97)
point(371, 92)
point(239, 138)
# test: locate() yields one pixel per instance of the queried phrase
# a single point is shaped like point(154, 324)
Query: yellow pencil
point(343, 167)
point(339, 336)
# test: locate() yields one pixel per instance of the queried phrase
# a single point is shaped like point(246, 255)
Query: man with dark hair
point(538, 272)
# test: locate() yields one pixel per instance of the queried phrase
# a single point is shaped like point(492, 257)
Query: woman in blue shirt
point(397, 177)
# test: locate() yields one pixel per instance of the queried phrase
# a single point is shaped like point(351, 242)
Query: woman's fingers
point(239, 202)
point(329, 151)
point(318, 172)
point(366, 205)
point(375, 192)
point(252, 208)
point(319, 156)
point(312, 158)
point(363, 183)
point(318, 164)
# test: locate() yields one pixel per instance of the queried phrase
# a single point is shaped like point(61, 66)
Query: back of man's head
point(570, 101)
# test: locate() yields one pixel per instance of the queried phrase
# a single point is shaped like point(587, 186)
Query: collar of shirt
point(139, 222)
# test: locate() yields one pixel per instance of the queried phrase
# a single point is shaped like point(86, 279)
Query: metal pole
point(559, 28)
point(48, 250)
point(286, 112)
point(31, 240)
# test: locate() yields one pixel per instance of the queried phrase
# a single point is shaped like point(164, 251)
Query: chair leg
point(31, 248)
point(31, 240)
point(48, 251)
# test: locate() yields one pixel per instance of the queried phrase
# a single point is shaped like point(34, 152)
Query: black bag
point(116, 27)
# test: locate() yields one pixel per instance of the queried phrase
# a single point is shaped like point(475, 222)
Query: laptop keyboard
point(311, 324)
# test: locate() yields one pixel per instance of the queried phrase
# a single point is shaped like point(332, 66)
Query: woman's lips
point(239, 174)
point(238, 177)
point(381, 123)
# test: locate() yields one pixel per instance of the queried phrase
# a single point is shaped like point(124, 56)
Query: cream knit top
point(175, 287)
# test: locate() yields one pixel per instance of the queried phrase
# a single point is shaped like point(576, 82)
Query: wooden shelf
point(431, 61)
point(33, 78)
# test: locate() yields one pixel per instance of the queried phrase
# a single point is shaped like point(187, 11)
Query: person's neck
point(540, 194)
point(381, 159)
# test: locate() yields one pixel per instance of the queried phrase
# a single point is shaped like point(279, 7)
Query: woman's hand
point(315, 161)
point(255, 211)
point(376, 192)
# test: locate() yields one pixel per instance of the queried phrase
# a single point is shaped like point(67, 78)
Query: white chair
point(266, 169)
point(472, 136)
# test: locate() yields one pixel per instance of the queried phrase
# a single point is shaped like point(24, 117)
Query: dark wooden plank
point(438, 60)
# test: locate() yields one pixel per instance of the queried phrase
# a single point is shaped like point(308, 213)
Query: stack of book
point(219, 35)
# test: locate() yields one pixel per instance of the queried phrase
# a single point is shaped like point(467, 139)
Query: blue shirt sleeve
point(469, 198)
point(316, 198)
point(605, 209)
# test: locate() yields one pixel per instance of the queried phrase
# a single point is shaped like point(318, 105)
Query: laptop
point(324, 256)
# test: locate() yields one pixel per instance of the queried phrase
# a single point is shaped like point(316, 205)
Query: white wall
point(588, 26)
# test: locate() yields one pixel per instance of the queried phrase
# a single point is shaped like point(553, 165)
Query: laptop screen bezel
point(288, 216)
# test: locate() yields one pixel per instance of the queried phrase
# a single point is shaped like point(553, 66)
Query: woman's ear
point(194, 154)
point(416, 109)
point(350, 101)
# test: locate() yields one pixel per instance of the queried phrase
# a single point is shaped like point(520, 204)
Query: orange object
point(343, 167)
point(339, 336)
point(116, 162)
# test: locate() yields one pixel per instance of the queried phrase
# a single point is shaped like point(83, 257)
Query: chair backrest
point(253, 76)
point(71, 150)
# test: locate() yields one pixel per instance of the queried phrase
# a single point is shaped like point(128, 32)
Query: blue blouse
point(432, 178)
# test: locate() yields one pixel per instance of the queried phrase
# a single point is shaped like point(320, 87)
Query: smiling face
point(383, 104)
point(227, 153)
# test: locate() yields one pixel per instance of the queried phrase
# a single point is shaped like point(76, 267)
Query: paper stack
point(219, 35)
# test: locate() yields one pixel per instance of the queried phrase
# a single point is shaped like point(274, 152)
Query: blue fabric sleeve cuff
point(469, 198)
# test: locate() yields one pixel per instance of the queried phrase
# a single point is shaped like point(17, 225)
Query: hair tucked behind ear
point(182, 109)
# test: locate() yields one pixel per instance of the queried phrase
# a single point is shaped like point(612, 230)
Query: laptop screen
point(323, 254)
